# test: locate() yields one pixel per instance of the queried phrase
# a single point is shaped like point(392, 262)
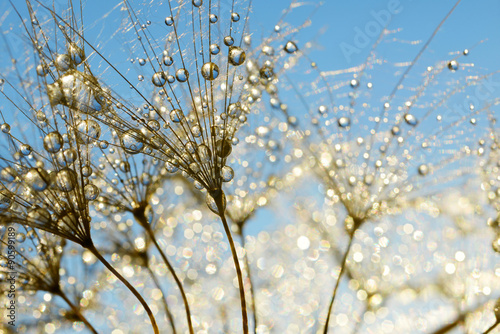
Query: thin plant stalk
point(77, 312)
point(252, 294)
point(176, 278)
point(96, 253)
point(164, 299)
point(342, 269)
point(220, 206)
point(491, 328)
point(139, 215)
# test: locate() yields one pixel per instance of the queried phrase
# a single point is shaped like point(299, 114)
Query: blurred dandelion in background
point(246, 166)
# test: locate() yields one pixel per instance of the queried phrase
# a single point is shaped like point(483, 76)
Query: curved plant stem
point(220, 206)
point(252, 294)
point(164, 299)
point(77, 312)
point(176, 278)
point(342, 268)
point(94, 251)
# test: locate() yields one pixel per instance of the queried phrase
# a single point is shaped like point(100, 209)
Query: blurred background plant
point(354, 176)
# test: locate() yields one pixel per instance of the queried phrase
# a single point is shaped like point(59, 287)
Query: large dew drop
point(53, 142)
point(66, 179)
point(132, 141)
point(77, 91)
point(88, 130)
point(37, 179)
point(210, 71)
point(236, 56)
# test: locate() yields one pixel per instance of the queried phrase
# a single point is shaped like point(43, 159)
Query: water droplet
point(39, 216)
point(213, 18)
point(214, 49)
point(176, 115)
point(322, 109)
point(159, 79)
point(88, 131)
point(290, 47)
point(466, 52)
point(236, 56)
point(344, 122)
point(169, 21)
point(453, 65)
point(20, 237)
point(86, 171)
point(223, 148)
point(53, 142)
point(210, 71)
point(266, 73)
point(172, 166)
point(132, 141)
point(5, 127)
point(168, 61)
point(66, 179)
point(423, 169)
point(213, 206)
point(91, 192)
point(354, 83)
point(197, 3)
point(228, 40)
point(63, 62)
point(227, 173)
point(8, 174)
point(235, 17)
point(411, 120)
point(37, 179)
point(182, 75)
point(25, 149)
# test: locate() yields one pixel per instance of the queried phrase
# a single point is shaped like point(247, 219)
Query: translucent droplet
point(466, 52)
point(63, 62)
point(453, 65)
point(266, 72)
point(291, 47)
point(204, 153)
point(171, 166)
point(25, 149)
point(227, 173)
point(182, 75)
point(223, 148)
point(53, 142)
point(228, 40)
point(37, 179)
point(423, 169)
point(214, 49)
point(8, 174)
point(168, 61)
point(496, 248)
point(176, 115)
point(411, 120)
point(212, 205)
point(88, 131)
point(66, 157)
point(354, 83)
point(91, 192)
point(235, 17)
point(169, 21)
point(132, 141)
point(66, 179)
point(344, 122)
point(39, 216)
point(5, 127)
point(20, 237)
point(86, 171)
point(197, 3)
point(236, 55)
point(210, 71)
point(159, 79)
point(322, 109)
point(213, 18)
